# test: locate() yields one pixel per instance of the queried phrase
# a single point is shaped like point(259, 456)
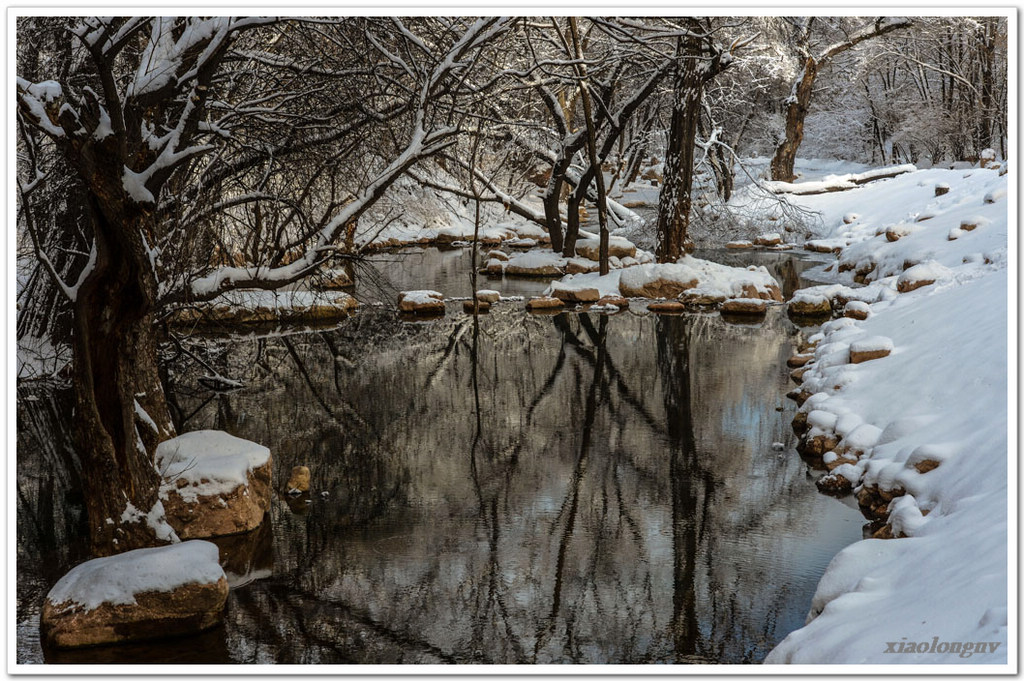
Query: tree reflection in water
point(519, 489)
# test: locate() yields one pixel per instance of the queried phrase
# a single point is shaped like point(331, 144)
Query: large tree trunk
point(117, 386)
point(796, 112)
point(675, 201)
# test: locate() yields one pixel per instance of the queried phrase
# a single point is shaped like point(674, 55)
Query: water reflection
point(519, 489)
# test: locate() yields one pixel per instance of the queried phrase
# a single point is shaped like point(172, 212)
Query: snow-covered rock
point(421, 302)
point(213, 483)
point(141, 594)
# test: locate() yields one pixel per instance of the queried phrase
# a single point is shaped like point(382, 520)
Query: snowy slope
point(939, 397)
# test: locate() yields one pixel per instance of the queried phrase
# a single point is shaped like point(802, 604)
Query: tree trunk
point(572, 226)
point(675, 200)
point(796, 112)
point(551, 198)
point(115, 367)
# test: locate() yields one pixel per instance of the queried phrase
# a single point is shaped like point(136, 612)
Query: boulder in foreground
point(142, 594)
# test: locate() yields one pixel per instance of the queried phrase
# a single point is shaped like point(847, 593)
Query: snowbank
point(921, 425)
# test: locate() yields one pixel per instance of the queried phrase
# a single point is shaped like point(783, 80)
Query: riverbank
point(925, 428)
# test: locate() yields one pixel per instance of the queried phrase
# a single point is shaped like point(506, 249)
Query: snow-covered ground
point(937, 404)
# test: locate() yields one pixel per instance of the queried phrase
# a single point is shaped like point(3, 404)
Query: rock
point(941, 189)
point(871, 348)
point(334, 280)
point(798, 374)
point(617, 248)
point(521, 244)
point(799, 396)
point(657, 288)
point(213, 483)
point(488, 296)
point(572, 295)
point(797, 361)
point(834, 485)
point(968, 225)
point(617, 301)
point(751, 307)
point(701, 298)
point(800, 425)
point(897, 232)
point(770, 292)
point(816, 446)
point(668, 306)
point(809, 306)
point(856, 309)
point(739, 244)
point(840, 460)
point(850, 218)
point(494, 268)
point(924, 217)
point(546, 270)
point(137, 595)
point(497, 255)
point(475, 306)
point(544, 303)
point(581, 266)
point(424, 302)
point(926, 465)
point(298, 481)
point(773, 239)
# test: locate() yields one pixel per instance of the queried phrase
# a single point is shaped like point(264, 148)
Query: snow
point(118, 579)
point(210, 461)
point(941, 398)
point(421, 297)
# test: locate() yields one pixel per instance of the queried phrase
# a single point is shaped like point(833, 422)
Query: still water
point(576, 488)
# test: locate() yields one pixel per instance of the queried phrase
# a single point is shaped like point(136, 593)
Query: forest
point(166, 165)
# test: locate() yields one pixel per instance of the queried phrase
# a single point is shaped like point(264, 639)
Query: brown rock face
point(834, 485)
point(772, 292)
point(497, 255)
point(906, 286)
point(590, 249)
point(817, 446)
point(926, 465)
point(968, 226)
point(798, 374)
point(488, 296)
point(240, 510)
point(539, 271)
point(941, 190)
point(475, 306)
point(433, 305)
point(577, 266)
point(668, 306)
point(809, 308)
point(768, 240)
point(583, 295)
point(659, 288)
point(854, 313)
point(867, 355)
point(797, 361)
point(617, 301)
point(744, 307)
point(186, 610)
point(544, 303)
point(298, 481)
point(701, 299)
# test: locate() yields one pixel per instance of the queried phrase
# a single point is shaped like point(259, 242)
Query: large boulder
point(570, 294)
point(656, 281)
point(213, 483)
point(142, 594)
point(617, 248)
point(421, 302)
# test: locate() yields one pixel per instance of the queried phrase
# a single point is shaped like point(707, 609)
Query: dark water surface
point(569, 488)
point(572, 488)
